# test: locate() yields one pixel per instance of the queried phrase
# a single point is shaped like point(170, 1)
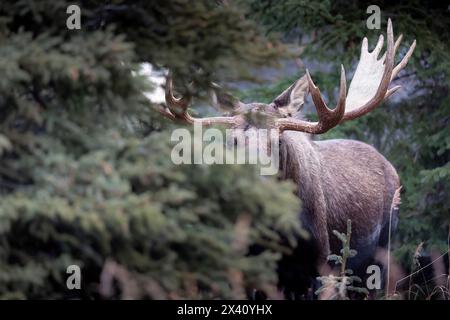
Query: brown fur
point(339, 180)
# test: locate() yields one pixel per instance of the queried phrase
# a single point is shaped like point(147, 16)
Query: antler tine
point(404, 61)
point(397, 43)
point(163, 110)
point(177, 106)
point(391, 91)
point(328, 118)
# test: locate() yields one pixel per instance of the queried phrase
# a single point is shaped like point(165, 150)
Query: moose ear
point(293, 98)
point(224, 100)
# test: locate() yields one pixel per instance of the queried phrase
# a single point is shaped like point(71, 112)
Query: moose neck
point(301, 163)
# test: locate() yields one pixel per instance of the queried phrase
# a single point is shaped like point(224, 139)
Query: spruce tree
point(85, 172)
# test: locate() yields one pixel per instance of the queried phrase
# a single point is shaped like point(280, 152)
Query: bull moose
point(337, 179)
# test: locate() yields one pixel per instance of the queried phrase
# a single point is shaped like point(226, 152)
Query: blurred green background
point(85, 170)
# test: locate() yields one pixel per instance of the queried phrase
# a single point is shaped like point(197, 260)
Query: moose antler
point(177, 109)
point(327, 118)
point(368, 88)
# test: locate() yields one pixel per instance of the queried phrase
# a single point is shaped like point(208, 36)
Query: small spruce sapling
point(337, 287)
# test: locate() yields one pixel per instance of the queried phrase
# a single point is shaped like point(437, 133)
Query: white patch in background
point(157, 79)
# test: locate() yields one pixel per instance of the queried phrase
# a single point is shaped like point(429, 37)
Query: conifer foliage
point(85, 172)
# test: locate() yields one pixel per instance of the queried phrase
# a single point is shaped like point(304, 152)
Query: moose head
point(337, 179)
